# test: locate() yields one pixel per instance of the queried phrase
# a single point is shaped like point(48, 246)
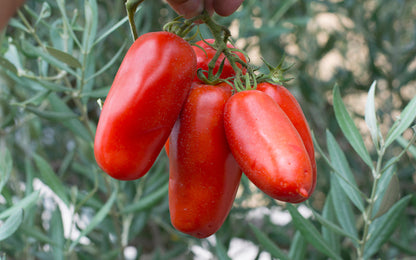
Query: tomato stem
point(131, 7)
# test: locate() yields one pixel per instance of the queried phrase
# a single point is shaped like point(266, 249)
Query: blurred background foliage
point(59, 57)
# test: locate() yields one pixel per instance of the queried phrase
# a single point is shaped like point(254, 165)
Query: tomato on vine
point(143, 104)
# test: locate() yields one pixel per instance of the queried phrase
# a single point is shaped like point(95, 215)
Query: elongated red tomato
point(205, 55)
point(293, 110)
point(204, 175)
point(267, 146)
point(143, 104)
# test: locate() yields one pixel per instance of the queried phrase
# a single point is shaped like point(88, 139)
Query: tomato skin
point(143, 104)
point(204, 176)
point(203, 58)
point(293, 110)
point(267, 146)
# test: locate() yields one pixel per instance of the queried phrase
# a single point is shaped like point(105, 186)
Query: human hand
point(192, 8)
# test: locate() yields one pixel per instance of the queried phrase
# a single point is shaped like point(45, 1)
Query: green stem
point(221, 35)
point(131, 7)
point(367, 216)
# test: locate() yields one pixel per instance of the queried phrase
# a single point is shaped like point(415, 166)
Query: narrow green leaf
point(298, 247)
point(407, 117)
point(97, 219)
point(349, 129)
point(329, 225)
point(51, 115)
point(64, 57)
point(221, 251)
point(347, 181)
point(11, 224)
point(109, 64)
point(97, 93)
point(267, 243)
point(112, 29)
point(343, 209)
point(91, 23)
point(57, 235)
point(328, 233)
point(6, 166)
point(148, 201)
point(404, 143)
point(37, 52)
point(370, 115)
point(22, 204)
point(310, 233)
point(390, 197)
point(49, 177)
point(5, 63)
point(72, 124)
point(382, 228)
point(36, 233)
point(388, 191)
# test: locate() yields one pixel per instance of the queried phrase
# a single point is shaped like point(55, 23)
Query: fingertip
point(226, 7)
point(187, 8)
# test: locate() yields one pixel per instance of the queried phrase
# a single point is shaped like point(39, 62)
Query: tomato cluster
point(211, 132)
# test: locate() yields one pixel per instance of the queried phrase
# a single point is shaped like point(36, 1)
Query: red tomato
point(267, 146)
point(204, 57)
point(204, 175)
point(143, 104)
point(293, 110)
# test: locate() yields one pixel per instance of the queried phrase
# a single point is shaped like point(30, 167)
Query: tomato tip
point(303, 192)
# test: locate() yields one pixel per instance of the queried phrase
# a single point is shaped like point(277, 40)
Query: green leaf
point(97, 93)
point(64, 57)
point(57, 235)
point(407, 117)
point(51, 115)
point(221, 251)
point(297, 249)
point(6, 166)
point(346, 181)
point(267, 243)
point(22, 204)
point(109, 64)
point(148, 201)
point(370, 115)
point(36, 233)
point(49, 177)
point(112, 29)
point(382, 228)
point(91, 22)
point(331, 226)
point(5, 63)
point(97, 219)
point(388, 191)
point(72, 124)
point(37, 52)
point(11, 224)
point(349, 129)
point(343, 209)
point(310, 233)
point(404, 143)
point(328, 232)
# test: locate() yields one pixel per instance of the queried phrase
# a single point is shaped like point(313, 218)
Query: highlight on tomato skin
point(293, 110)
point(143, 104)
point(267, 146)
point(203, 174)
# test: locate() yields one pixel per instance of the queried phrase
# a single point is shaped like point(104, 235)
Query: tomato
point(205, 55)
point(143, 104)
point(204, 176)
point(293, 110)
point(267, 146)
